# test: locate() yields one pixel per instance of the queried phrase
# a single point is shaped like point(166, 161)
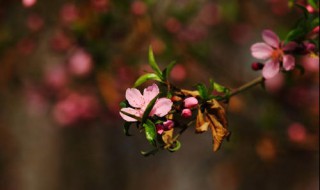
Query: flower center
point(277, 55)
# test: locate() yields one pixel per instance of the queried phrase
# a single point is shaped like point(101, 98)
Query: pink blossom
point(186, 113)
point(80, 63)
point(190, 102)
point(29, 3)
point(140, 102)
point(275, 54)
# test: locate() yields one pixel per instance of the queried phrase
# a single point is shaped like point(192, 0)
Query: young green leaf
point(166, 72)
point(126, 127)
point(295, 34)
point(304, 9)
point(150, 131)
point(151, 152)
point(177, 146)
point(149, 108)
point(219, 88)
point(314, 3)
point(123, 104)
point(153, 63)
point(203, 91)
point(144, 78)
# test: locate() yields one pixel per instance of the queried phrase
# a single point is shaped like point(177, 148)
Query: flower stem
point(246, 86)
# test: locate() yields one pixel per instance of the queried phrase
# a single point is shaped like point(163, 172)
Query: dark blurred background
point(64, 68)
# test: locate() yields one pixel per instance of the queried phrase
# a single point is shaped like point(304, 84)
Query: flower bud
point(175, 98)
point(190, 102)
point(186, 113)
point(168, 125)
point(256, 66)
point(159, 129)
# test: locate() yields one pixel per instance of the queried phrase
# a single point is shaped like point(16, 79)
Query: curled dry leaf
point(194, 93)
point(167, 138)
point(201, 124)
point(214, 116)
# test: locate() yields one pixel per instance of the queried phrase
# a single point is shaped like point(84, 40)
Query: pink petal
point(169, 124)
point(161, 107)
point(271, 38)
point(261, 50)
point(288, 62)
point(130, 111)
point(290, 46)
point(134, 97)
point(150, 92)
point(270, 69)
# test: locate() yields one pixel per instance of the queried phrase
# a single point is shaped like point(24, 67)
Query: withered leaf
point(218, 110)
point(201, 124)
point(219, 132)
point(167, 138)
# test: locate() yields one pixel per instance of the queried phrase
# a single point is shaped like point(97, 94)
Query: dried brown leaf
point(167, 138)
point(219, 132)
point(201, 124)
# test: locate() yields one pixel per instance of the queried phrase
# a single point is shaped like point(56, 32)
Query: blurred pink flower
point(310, 63)
point(190, 102)
point(56, 76)
point(75, 107)
point(29, 3)
point(80, 63)
point(69, 13)
point(178, 73)
point(297, 132)
point(140, 102)
point(138, 8)
point(100, 5)
point(275, 52)
point(34, 22)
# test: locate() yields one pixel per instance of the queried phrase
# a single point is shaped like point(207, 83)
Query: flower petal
point(150, 92)
point(290, 46)
point(261, 50)
point(270, 69)
point(130, 111)
point(161, 107)
point(271, 38)
point(135, 97)
point(288, 62)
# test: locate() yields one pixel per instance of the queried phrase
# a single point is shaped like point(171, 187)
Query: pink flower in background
point(29, 3)
point(80, 63)
point(275, 54)
point(140, 102)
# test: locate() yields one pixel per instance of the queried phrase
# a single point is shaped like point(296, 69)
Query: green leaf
point(123, 104)
point(149, 108)
point(177, 147)
point(150, 131)
point(153, 63)
point(295, 34)
point(304, 9)
point(313, 4)
point(203, 92)
point(151, 152)
point(126, 127)
point(219, 88)
point(131, 115)
point(315, 22)
point(166, 72)
point(144, 78)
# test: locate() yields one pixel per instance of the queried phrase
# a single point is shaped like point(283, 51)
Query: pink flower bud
point(168, 124)
point(159, 129)
point(256, 66)
point(190, 102)
point(186, 113)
